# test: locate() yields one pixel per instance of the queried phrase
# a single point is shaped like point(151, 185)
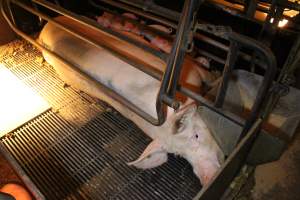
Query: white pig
point(184, 133)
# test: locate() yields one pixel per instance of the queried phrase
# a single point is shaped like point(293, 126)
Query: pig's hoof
point(17, 191)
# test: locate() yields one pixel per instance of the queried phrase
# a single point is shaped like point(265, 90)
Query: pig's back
point(134, 85)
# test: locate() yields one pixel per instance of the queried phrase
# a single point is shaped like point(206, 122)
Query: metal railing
point(169, 78)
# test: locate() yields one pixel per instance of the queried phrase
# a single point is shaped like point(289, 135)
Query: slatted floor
point(79, 149)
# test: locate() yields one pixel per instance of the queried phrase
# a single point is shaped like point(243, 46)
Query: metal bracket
point(221, 31)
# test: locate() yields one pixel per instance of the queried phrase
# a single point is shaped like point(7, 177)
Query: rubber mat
point(79, 149)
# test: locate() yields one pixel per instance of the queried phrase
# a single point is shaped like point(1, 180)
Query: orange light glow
point(18, 102)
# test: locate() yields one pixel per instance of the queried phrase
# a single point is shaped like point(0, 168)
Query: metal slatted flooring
point(79, 149)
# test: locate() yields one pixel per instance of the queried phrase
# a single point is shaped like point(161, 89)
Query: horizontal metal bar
point(211, 56)
point(141, 26)
point(99, 28)
point(150, 6)
point(225, 48)
point(108, 91)
point(228, 115)
point(145, 67)
point(136, 11)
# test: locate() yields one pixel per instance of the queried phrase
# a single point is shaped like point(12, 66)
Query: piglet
point(184, 133)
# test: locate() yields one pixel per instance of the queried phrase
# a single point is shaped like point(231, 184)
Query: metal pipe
point(136, 23)
point(228, 68)
point(145, 67)
point(174, 64)
point(136, 11)
point(97, 27)
point(228, 115)
point(270, 71)
point(108, 91)
point(211, 56)
point(225, 48)
point(150, 6)
point(170, 78)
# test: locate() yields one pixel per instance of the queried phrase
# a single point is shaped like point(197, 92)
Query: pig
point(184, 133)
point(123, 24)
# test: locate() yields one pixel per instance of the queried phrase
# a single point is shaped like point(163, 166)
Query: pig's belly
point(136, 86)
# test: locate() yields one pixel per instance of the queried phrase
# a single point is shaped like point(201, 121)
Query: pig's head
point(189, 137)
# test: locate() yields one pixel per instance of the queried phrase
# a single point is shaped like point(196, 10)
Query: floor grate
point(79, 149)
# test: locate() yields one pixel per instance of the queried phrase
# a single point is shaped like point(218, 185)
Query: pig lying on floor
point(184, 133)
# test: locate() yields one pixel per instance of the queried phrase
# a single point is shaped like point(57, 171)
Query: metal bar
point(97, 27)
point(146, 69)
point(291, 58)
point(228, 115)
point(143, 27)
point(12, 17)
point(232, 165)
point(228, 68)
point(108, 91)
point(172, 71)
point(270, 71)
point(211, 41)
point(150, 6)
point(211, 56)
point(136, 11)
point(174, 64)
point(223, 47)
point(292, 62)
point(250, 8)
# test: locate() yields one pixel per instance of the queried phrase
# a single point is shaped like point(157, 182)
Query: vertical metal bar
point(230, 62)
point(261, 96)
point(174, 64)
point(10, 12)
point(170, 79)
point(37, 9)
point(290, 61)
point(250, 8)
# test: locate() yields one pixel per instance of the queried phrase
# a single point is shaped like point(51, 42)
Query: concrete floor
point(279, 180)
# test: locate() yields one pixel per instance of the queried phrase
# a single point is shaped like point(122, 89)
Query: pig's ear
point(153, 156)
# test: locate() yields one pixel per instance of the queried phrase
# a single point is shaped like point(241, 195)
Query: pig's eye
point(180, 124)
point(196, 136)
